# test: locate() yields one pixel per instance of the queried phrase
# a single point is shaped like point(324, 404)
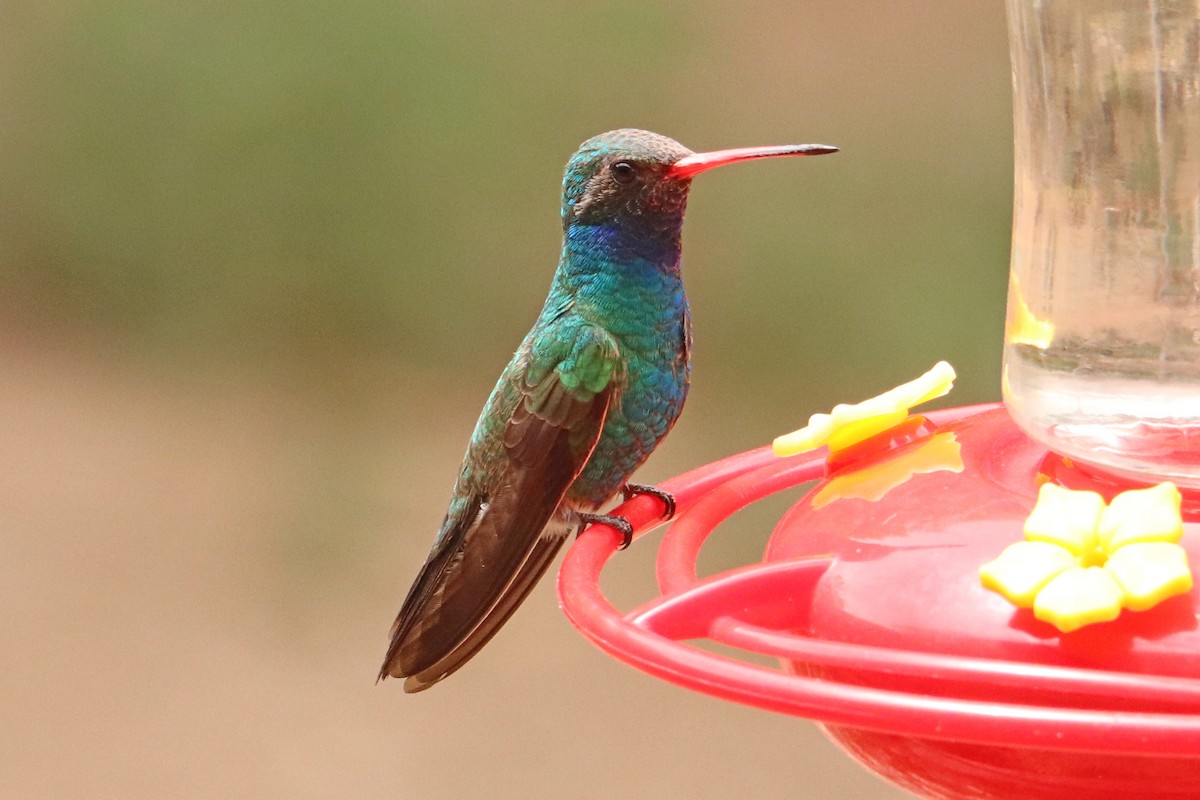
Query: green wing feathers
point(559, 393)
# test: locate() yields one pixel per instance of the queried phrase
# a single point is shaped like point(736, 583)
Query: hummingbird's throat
point(625, 244)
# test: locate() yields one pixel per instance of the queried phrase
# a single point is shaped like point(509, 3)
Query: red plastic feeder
point(869, 596)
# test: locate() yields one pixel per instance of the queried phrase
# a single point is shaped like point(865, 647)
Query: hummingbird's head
point(637, 181)
point(622, 177)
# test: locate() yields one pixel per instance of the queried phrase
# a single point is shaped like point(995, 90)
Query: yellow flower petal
point(1066, 518)
point(810, 437)
point(1142, 515)
point(847, 424)
point(939, 380)
point(1149, 573)
point(1023, 569)
point(853, 432)
point(1079, 597)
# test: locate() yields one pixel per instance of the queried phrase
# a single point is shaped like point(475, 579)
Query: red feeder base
point(870, 599)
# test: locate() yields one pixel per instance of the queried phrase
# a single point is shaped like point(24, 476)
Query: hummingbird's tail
point(540, 558)
point(474, 580)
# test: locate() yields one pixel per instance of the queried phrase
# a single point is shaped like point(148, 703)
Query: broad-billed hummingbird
point(589, 394)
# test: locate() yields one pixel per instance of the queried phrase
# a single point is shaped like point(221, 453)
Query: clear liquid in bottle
point(1102, 345)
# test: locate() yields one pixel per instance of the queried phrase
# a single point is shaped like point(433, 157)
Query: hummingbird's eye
point(623, 172)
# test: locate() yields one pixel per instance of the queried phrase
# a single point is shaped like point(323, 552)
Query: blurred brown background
point(260, 264)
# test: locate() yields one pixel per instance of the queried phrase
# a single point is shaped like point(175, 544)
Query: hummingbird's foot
point(620, 524)
point(667, 499)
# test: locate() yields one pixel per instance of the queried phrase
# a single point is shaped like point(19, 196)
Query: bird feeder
point(992, 602)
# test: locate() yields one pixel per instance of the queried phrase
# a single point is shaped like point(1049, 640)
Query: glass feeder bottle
point(1102, 342)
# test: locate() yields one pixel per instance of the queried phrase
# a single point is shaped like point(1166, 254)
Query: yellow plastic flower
point(1082, 561)
point(848, 425)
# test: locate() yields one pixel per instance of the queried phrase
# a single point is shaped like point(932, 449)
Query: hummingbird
point(593, 388)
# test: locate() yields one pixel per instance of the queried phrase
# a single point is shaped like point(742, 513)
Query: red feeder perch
point(884, 634)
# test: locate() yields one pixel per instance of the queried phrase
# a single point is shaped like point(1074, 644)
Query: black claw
point(621, 524)
point(667, 499)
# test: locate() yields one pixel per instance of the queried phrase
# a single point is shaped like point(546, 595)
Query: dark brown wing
point(491, 555)
point(534, 566)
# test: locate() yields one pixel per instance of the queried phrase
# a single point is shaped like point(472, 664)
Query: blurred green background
point(260, 264)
